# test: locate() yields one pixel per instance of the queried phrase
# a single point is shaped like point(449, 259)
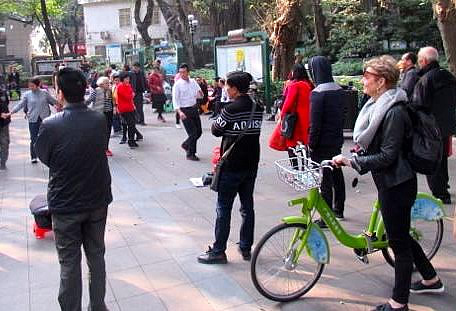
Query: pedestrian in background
point(36, 102)
point(240, 125)
point(157, 92)
point(72, 144)
point(14, 81)
point(4, 126)
point(100, 100)
point(185, 93)
point(326, 135)
point(126, 108)
point(436, 92)
point(139, 84)
point(409, 73)
point(382, 130)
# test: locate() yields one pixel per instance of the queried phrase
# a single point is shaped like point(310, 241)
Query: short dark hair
point(113, 66)
point(412, 57)
point(72, 83)
point(123, 75)
point(184, 66)
point(136, 64)
point(217, 79)
point(35, 80)
point(240, 80)
point(299, 72)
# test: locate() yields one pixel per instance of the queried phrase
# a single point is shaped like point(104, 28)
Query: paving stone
point(128, 283)
point(184, 297)
point(146, 302)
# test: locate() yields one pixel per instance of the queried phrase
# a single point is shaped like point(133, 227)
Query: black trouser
point(230, 185)
point(108, 115)
point(396, 204)
point(34, 128)
point(438, 182)
point(158, 101)
point(71, 231)
point(177, 118)
point(333, 184)
point(130, 121)
point(138, 100)
point(116, 122)
point(192, 124)
point(4, 144)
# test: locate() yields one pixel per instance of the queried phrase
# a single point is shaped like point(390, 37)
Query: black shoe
point(387, 307)
point(3, 166)
point(446, 200)
point(209, 257)
point(193, 158)
point(123, 141)
point(321, 223)
point(132, 144)
point(142, 123)
point(139, 137)
point(184, 146)
point(34, 160)
point(419, 288)
point(339, 215)
point(246, 254)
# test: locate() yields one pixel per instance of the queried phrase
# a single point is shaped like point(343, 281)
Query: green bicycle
point(289, 259)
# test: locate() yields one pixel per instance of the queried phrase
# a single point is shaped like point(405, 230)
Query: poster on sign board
point(114, 53)
point(244, 57)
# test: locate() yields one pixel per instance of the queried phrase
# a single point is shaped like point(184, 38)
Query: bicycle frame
point(426, 207)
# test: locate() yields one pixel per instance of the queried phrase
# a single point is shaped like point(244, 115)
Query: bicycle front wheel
point(427, 233)
point(275, 271)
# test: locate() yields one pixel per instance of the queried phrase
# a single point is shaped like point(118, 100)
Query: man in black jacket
point(410, 74)
point(139, 85)
point(72, 144)
point(436, 92)
point(4, 125)
point(326, 132)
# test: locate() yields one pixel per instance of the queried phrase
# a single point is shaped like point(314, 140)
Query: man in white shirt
point(185, 93)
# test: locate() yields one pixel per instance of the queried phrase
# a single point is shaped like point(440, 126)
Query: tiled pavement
point(158, 223)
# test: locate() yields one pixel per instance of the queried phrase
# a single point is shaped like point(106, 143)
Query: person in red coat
point(126, 108)
point(298, 100)
point(157, 91)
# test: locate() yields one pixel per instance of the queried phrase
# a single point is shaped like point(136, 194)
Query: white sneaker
point(178, 126)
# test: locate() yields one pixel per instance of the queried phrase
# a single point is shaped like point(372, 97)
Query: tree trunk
point(445, 11)
point(48, 29)
point(319, 23)
point(284, 37)
point(143, 25)
point(178, 28)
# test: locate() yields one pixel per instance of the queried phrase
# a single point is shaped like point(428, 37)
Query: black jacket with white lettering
point(230, 124)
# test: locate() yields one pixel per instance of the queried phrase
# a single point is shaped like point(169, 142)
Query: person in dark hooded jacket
point(326, 131)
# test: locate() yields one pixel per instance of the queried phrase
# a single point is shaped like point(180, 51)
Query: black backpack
point(426, 147)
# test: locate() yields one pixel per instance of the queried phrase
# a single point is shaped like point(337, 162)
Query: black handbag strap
point(227, 152)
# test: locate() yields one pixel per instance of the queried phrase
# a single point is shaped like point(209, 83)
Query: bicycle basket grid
point(299, 172)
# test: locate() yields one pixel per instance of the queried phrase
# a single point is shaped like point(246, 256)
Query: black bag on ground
point(426, 146)
point(40, 210)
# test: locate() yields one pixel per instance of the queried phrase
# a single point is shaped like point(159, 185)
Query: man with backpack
point(435, 93)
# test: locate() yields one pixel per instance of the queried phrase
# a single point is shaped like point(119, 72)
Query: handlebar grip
point(329, 163)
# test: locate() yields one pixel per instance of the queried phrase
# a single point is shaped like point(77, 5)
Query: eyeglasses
point(366, 74)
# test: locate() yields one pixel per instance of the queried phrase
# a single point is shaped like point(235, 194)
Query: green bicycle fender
point(427, 207)
point(317, 246)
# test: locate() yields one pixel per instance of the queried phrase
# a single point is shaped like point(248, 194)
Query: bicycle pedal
point(361, 255)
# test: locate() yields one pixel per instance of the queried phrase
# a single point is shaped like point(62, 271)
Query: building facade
point(15, 42)
point(110, 24)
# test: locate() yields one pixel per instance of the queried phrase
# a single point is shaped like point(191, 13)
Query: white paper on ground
point(197, 182)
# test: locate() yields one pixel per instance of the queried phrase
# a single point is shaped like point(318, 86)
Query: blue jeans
point(34, 128)
point(231, 184)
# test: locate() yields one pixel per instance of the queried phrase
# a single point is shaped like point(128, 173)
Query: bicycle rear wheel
point(273, 271)
point(427, 233)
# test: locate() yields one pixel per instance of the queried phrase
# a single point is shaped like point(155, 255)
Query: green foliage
point(206, 74)
point(346, 80)
point(349, 67)
point(353, 30)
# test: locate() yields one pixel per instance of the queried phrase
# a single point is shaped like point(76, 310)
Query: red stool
point(39, 232)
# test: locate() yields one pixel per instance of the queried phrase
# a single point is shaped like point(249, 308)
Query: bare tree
point(144, 24)
point(445, 11)
point(284, 36)
point(176, 19)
